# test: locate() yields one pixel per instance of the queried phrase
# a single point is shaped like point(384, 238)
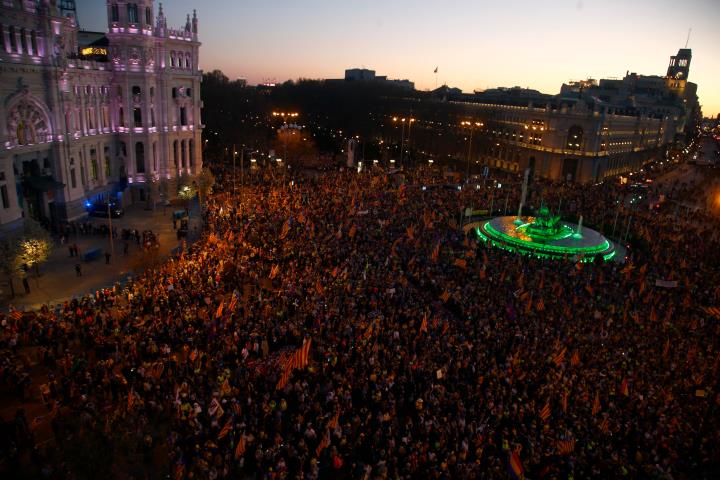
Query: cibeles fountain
point(546, 235)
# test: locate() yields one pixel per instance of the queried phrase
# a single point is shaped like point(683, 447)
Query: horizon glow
point(474, 44)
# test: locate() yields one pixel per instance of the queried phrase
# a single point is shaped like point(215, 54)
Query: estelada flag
point(515, 468)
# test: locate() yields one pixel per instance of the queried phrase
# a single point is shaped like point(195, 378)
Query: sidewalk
point(58, 281)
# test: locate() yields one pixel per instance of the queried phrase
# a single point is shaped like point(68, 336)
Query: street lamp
point(472, 126)
point(402, 121)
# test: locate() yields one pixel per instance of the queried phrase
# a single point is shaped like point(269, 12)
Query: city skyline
point(474, 46)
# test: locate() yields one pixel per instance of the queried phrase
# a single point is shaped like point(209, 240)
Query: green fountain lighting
point(546, 236)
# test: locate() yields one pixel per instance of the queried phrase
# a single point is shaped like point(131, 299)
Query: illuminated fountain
point(545, 235)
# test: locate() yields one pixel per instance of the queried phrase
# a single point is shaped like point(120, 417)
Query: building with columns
point(89, 116)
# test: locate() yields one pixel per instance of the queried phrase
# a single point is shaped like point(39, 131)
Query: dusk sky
point(474, 44)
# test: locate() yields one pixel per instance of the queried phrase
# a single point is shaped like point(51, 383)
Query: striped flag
point(559, 358)
point(352, 231)
point(515, 468)
point(234, 301)
point(445, 296)
point(240, 448)
point(575, 359)
point(624, 388)
point(324, 443)
point(219, 311)
point(424, 324)
point(565, 446)
point(226, 429)
point(410, 231)
point(545, 412)
point(16, 315)
point(596, 404)
point(274, 271)
point(460, 262)
point(605, 426)
point(131, 399)
point(565, 396)
point(285, 229)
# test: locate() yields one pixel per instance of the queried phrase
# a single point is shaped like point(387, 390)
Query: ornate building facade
point(112, 115)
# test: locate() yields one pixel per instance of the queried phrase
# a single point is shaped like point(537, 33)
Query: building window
point(139, 158)
point(183, 116)
point(137, 116)
point(122, 117)
point(4, 195)
point(148, 15)
point(132, 13)
point(174, 92)
point(73, 181)
point(122, 150)
point(191, 153)
point(574, 138)
point(2, 37)
point(115, 12)
point(33, 43)
point(172, 59)
point(187, 61)
point(152, 117)
point(175, 153)
point(23, 41)
point(13, 40)
point(106, 154)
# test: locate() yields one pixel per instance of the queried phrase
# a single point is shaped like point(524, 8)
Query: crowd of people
point(430, 354)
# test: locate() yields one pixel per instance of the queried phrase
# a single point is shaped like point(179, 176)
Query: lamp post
point(472, 126)
point(402, 121)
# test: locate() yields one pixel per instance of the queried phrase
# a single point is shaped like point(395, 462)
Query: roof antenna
point(688, 37)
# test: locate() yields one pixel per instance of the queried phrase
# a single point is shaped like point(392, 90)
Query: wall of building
point(74, 130)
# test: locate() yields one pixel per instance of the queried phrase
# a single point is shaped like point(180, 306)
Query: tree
point(205, 181)
point(296, 145)
point(35, 245)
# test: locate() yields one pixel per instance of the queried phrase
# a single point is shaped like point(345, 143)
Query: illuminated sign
point(93, 51)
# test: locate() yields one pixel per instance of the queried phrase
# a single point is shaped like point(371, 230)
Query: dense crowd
point(431, 354)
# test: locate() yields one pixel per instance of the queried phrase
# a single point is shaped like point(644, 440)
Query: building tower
point(680, 64)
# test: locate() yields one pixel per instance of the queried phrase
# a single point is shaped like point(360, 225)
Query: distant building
point(591, 130)
point(89, 115)
point(365, 75)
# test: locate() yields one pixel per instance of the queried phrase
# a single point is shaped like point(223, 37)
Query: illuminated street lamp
point(402, 121)
point(472, 126)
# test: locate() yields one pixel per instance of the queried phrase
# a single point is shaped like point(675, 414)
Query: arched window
point(132, 13)
point(139, 158)
point(574, 138)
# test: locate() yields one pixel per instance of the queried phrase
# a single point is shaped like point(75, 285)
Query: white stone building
point(82, 123)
